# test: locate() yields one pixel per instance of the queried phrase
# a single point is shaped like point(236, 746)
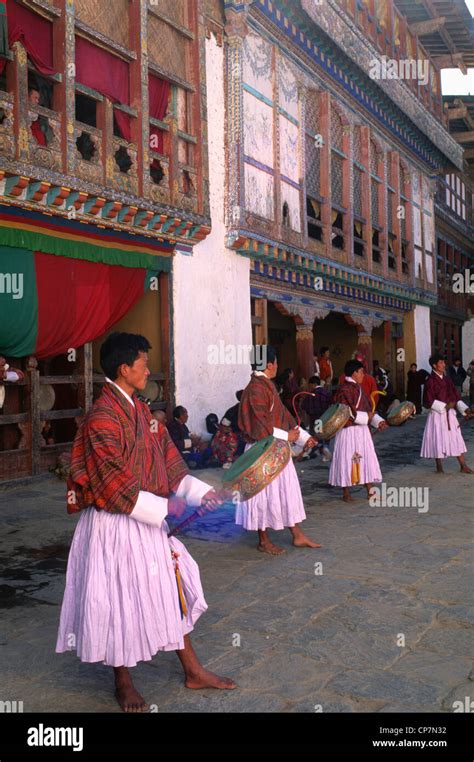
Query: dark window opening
point(375, 246)
point(3, 79)
point(285, 214)
point(313, 213)
point(86, 110)
point(337, 238)
point(404, 258)
point(359, 248)
point(156, 171)
point(86, 146)
point(123, 159)
point(117, 133)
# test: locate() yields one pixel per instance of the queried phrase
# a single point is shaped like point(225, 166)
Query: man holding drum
point(354, 460)
point(442, 437)
point(280, 503)
point(131, 590)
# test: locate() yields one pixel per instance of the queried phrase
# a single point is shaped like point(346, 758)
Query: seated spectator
point(224, 444)
point(178, 430)
point(232, 415)
point(194, 451)
point(160, 416)
point(212, 423)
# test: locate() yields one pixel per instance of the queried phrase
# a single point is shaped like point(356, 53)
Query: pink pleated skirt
point(354, 439)
point(121, 602)
point(438, 440)
point(278, 506)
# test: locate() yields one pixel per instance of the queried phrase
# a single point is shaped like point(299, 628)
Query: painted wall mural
point(258, 130)
point(257, 65)
point(289, 149)
point(259, 188)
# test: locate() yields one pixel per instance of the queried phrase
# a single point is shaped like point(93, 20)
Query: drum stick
point(183, 524)
point(194, 515)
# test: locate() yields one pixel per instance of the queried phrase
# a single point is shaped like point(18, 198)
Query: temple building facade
point(331, 169)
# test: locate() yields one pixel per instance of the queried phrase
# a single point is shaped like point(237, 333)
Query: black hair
point(121, 349)
point(323, 350)
point(212, 422)
point(239, 394)
point(314, 380)
point(435, 358)
point(269, 352)
point(178, 411)
point(352, 366)
point(456, 359)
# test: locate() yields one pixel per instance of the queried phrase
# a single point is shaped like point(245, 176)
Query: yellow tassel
point(355, 470)
point(182, 599)
point(180, 591)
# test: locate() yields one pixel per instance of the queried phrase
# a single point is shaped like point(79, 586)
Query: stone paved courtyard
point(330, 641)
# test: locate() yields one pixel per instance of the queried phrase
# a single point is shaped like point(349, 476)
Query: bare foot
point(269, 547)
point(439, 470)
point(348, 498)
point(370, 493)
point(129, 699)
point(466, 470)
point(205, 679)
point(301, 541)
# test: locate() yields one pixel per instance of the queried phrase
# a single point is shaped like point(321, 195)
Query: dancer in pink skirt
point(442, 437)
point(354, 460)
point(130, 590)
point(280, 504)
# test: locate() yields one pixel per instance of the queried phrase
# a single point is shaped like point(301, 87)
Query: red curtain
point(80, 300)
point(158, 94)
point(34, 32)
point(109, 75)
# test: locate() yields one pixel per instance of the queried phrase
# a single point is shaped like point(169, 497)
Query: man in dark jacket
point(457, 374)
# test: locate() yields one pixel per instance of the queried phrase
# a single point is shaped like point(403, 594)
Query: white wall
point(467, 347)
point(211, 291)
point(422, 336)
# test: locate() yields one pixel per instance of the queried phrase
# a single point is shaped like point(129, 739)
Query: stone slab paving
point(295, 640)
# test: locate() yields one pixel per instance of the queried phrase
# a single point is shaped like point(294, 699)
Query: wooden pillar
point(260, 321)
point(304, 351)
point(139, 94)
point(20, 102)
point(387, 344)
point(59, 90)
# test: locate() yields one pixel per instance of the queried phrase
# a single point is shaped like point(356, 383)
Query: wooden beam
point(427, 27)
point(468, 153)
point(463, 137)
point(450, 61)
point(457, 113)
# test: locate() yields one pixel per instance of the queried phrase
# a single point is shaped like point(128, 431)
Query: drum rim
point(231, 474)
